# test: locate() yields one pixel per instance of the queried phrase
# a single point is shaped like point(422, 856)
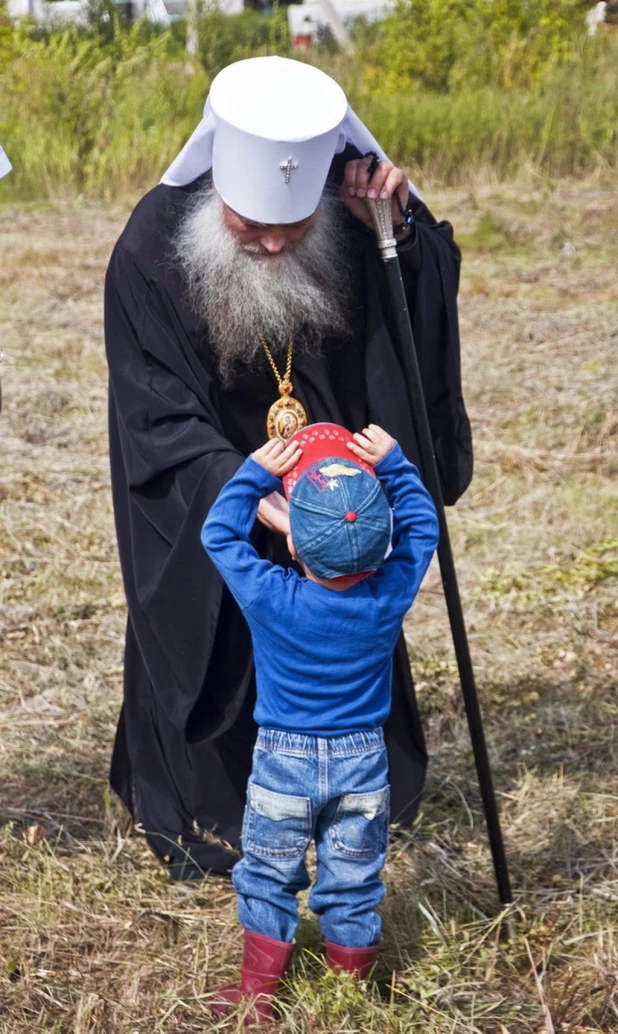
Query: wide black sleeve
point(169, 459)
point(431, 276)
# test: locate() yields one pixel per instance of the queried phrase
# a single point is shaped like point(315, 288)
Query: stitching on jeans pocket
point(277, 825)
point(360, 826)
point(369, 805)
point(277, 805)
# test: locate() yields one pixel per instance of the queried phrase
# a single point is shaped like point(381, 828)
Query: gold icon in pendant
point(287, 415)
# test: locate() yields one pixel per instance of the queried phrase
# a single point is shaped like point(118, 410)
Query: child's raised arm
point(227, 529)
point(415, 523)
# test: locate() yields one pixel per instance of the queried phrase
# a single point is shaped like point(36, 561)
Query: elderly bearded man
point(252, 267)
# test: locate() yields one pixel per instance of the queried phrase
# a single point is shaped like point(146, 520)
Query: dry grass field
point(92, 936)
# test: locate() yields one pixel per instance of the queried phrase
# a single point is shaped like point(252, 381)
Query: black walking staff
point(381, 214)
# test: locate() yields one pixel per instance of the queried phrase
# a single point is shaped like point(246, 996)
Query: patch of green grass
point(495, 234)
point(553, 582)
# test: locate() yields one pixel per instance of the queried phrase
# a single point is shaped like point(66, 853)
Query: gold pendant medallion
point(285, 417)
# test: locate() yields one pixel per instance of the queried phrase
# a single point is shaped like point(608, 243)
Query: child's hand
point(372, 445)
point(277, 458)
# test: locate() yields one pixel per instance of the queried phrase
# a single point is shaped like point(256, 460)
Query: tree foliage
point(446, 85)
point(444, 45)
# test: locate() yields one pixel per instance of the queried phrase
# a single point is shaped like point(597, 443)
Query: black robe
point(182, 753)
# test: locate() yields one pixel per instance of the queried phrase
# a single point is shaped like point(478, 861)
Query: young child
point(323, 647)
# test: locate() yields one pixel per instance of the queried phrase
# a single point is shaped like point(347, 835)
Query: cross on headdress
point(288, 167)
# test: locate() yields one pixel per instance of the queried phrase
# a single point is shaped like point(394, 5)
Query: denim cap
point(340, 519)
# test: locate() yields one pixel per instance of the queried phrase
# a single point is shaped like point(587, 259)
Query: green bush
point(566, 124)
point(447, 87)
point(81, 114)
point(442, 45)
point(226, 38)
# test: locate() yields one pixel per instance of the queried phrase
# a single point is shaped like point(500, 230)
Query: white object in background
point(27, 9)
point(56, 11)
point(595, 17)
point(156, 13)
point(19, 8)
point(304, 20)
point(333, 19)
point(5, 165)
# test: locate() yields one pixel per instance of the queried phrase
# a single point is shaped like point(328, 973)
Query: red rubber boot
point(359, 961)
point(265, 963)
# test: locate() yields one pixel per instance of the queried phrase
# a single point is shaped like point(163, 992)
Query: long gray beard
point(303, 291)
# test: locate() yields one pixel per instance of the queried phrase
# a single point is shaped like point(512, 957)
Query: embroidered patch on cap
point(335, 469)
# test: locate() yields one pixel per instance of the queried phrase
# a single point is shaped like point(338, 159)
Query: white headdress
point(270, 130)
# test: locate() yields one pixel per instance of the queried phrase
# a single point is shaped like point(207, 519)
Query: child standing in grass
point(323, 646)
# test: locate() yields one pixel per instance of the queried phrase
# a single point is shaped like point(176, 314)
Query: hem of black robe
point(191, 860)
point(403, 729)
point(120, 771)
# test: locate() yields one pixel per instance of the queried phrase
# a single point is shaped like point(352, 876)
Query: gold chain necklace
point(287, 415)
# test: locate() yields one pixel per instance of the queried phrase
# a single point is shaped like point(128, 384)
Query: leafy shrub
point(566, 124)
point(446, 86)
point(83, 114)
point(449, 44)
point(226, 38)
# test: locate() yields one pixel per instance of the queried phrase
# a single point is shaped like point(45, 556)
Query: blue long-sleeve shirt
point(323, 658)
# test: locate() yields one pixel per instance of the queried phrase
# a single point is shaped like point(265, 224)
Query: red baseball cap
point(319, 441)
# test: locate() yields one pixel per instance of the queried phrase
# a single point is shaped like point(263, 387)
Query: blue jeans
point(336, 791)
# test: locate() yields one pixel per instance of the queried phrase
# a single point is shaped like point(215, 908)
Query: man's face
point(247, 280)
point(264, 239)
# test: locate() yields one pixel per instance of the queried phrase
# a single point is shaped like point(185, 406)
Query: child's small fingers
point(372, 432)
point(268, 453)
point(359, 451)
point(361, 440)
point(290, 464)
point(290, 448)
point(290, 455)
